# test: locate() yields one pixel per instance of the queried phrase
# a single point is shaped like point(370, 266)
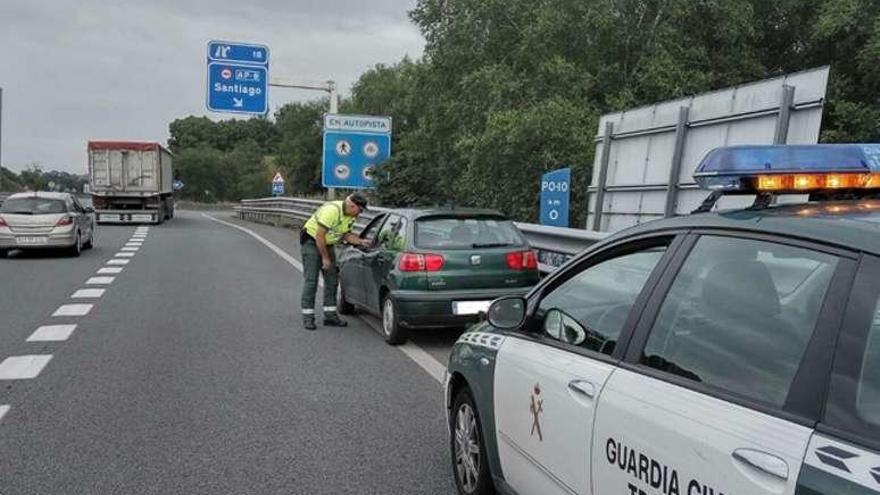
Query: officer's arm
point(321, 242)
point(355, 240)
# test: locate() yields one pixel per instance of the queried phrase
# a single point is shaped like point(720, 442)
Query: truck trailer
point(131, 182)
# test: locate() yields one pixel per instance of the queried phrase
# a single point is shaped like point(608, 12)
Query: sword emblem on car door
point(537, 408)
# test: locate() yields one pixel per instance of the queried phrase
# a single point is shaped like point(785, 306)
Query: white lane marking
point(427, 362)
point(100, 280)
point(52, 333)
point(3, 410)
point(110, 269)
point(144, 234)
point(88, 293)
point(124, 255)
point(23, 367)
point(134, 244)
point(73, 310)
point(117, 262)
point(130, 249)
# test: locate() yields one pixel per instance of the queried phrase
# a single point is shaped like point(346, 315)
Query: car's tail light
point(522, 260)
point(65, 221)
point(3, 223)
point(414, 262)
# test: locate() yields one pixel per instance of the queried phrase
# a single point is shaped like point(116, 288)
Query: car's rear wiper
point(477, 245)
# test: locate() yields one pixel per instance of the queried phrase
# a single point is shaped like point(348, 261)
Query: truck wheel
point(392, 331)
point(3, 253)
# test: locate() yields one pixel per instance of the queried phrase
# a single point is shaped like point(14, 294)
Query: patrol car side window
point(590, 309)
point(739, 316)
point(854, 398)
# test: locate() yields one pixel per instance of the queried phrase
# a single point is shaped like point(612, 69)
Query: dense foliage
point(508, 89)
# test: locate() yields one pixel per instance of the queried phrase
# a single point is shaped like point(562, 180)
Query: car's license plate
point(470, 307)
point(142, 218)
point(30, 241)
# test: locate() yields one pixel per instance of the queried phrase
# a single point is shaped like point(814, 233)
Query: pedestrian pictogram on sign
point(343, 148)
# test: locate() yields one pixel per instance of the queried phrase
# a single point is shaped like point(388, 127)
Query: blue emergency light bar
point(790, 168)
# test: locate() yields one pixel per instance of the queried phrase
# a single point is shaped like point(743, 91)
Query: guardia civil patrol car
point(733, 352)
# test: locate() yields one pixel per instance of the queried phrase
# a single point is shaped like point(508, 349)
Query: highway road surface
point(171, 359)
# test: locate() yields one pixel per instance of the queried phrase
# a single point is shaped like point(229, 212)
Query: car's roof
point(40, 194)
point(444, 211)
point(848, 224)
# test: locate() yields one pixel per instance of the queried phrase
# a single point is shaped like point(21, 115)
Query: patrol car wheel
point(468, 450)
point(392, 331)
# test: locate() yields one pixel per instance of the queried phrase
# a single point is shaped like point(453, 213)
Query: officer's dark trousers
point(311, 260)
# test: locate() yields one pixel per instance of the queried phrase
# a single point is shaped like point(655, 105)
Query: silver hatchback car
point(41, 220)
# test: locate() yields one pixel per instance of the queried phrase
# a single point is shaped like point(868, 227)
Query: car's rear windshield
point(33, 206)
point(459, 232)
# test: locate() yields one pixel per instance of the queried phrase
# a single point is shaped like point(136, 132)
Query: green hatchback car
point(434, 268)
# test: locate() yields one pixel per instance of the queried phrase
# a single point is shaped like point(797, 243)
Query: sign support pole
point(327, 87)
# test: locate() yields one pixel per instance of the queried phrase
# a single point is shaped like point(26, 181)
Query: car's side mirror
point(564, 328)
point(89, 209)
point(507, 313)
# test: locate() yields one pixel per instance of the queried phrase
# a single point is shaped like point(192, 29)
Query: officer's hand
point(325, 264)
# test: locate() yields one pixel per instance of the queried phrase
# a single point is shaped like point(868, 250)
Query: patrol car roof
point(848, 224)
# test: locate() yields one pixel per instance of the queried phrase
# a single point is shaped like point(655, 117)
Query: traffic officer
point(331, 223)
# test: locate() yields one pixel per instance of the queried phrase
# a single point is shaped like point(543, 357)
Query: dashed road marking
point(52, 333)
point(421, 357)
point(23, 367)
point(110, 269)
point(118, 262)
point(100, 280)
point(88, 294)
point(73, 310)
point(124, 255)
point(3, 410)
point(134, 244)
point(130, 249)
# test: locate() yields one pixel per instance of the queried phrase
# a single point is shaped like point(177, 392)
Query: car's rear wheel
point(91, 243)
point(76, 249)
point(342, 305)
point(468, 450)
point(392, 331)
point(3, 253)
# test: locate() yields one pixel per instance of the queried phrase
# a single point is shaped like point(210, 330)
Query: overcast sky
point(75, 70)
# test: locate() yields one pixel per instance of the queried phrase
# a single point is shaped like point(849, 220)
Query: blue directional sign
point(224, 51)
point(555, 193)
point(238, 78)
point(354, 146)
point(177, 185)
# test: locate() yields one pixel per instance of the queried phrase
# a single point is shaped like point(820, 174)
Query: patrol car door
point(351, 262)
point(380, 261)
point(549, 377)
point(844, 454)
point(716, 395)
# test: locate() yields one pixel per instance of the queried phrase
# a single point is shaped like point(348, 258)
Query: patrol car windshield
point(33, 206)
point(466, 233)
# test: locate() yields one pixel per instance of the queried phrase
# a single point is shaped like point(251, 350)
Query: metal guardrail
point(555, 245)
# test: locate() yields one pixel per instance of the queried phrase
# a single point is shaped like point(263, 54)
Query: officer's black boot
point(309, 324)
point(333, 320)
